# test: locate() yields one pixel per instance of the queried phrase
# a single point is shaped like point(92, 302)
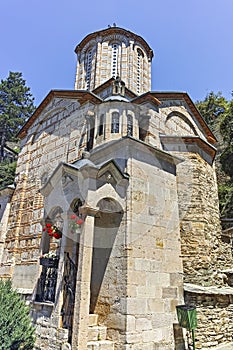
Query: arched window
point(129, 125)
point(139, 70)
point(115, 123)
point(115, 53)
point(88, 68)
point(143, 128)
point(101, 125)
point(90, 134)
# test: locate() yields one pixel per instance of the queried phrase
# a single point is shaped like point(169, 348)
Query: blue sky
point(191, 39)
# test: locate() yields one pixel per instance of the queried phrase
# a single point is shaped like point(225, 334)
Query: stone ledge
point(194, 288)
point(226, 346)
point(24, 291)
point(42, 303)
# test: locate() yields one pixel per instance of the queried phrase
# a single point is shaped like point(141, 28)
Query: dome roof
point(111, 31)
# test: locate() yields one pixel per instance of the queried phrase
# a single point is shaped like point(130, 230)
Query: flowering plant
point(52, 231)
point(51, 255)
point(75, 222)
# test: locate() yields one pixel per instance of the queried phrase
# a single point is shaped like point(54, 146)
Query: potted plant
point(49, 259)
point(75, 222)
point(52, 230)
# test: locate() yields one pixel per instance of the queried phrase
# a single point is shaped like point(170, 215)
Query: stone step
point(93, 320)
point(100, 345)
point(97, 333)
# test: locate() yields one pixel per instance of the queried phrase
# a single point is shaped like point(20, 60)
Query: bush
point(16, 330)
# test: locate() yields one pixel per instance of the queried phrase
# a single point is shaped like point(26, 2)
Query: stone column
point(82, 294)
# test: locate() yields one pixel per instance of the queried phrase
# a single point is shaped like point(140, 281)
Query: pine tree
point(7, 173)
point(16, 330)
point(16, 106)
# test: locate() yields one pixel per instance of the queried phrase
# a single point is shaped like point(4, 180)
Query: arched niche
point(54, 217)
point(107, 224)
point(74, 229)
point(179, 124)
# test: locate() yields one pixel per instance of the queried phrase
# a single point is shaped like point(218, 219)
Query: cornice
point(82, 96)
point(114, 31)
point(178, 95)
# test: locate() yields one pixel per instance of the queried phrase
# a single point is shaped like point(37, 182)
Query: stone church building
point(114, 218)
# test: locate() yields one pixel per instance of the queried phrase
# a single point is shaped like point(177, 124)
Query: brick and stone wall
point(203, 251)
point(52, 139)
point(50, 337)
point(214, 316)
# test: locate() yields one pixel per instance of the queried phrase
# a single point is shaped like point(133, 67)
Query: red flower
point(44, 229)
point(48, 225)
point(51, 234)
point(73, 216)
point(57, 235)
point(80, 221)
point(50, 230)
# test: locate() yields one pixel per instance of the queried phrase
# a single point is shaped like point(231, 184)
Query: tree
point(226, 128)
point(7, 173)
point(16, 330)
point(213, 109)
point(218, 113)
point(16, 106)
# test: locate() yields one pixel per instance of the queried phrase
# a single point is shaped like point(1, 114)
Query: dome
point(113, 52)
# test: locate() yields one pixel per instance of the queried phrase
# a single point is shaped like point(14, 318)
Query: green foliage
point(213, 108)
point(226, 125)
point(16, 106)
point(226, 159)
point(226, 199)
point(16, 330)
point(7, 173)
point(218, 113)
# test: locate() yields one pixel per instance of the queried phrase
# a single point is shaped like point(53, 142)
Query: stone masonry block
point(130, 323)
point(143, 324)
point(158, 279)
point(93, 320)
point(169, 292)
point(155, 305)
point(136, 306)
point(142, 265)
point(133, 338)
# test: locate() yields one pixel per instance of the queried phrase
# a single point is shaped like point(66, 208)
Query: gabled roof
point(146, 97)
point(87, 168)
point(179, 95)
point(81, 95)
point(108, 83)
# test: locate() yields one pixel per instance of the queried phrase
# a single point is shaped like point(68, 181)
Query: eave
point(108, 83)
point(205, 146)
point(178, 95)
point(116, 31)
point(146, 97)
point(120, 143)
point(82, 96)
